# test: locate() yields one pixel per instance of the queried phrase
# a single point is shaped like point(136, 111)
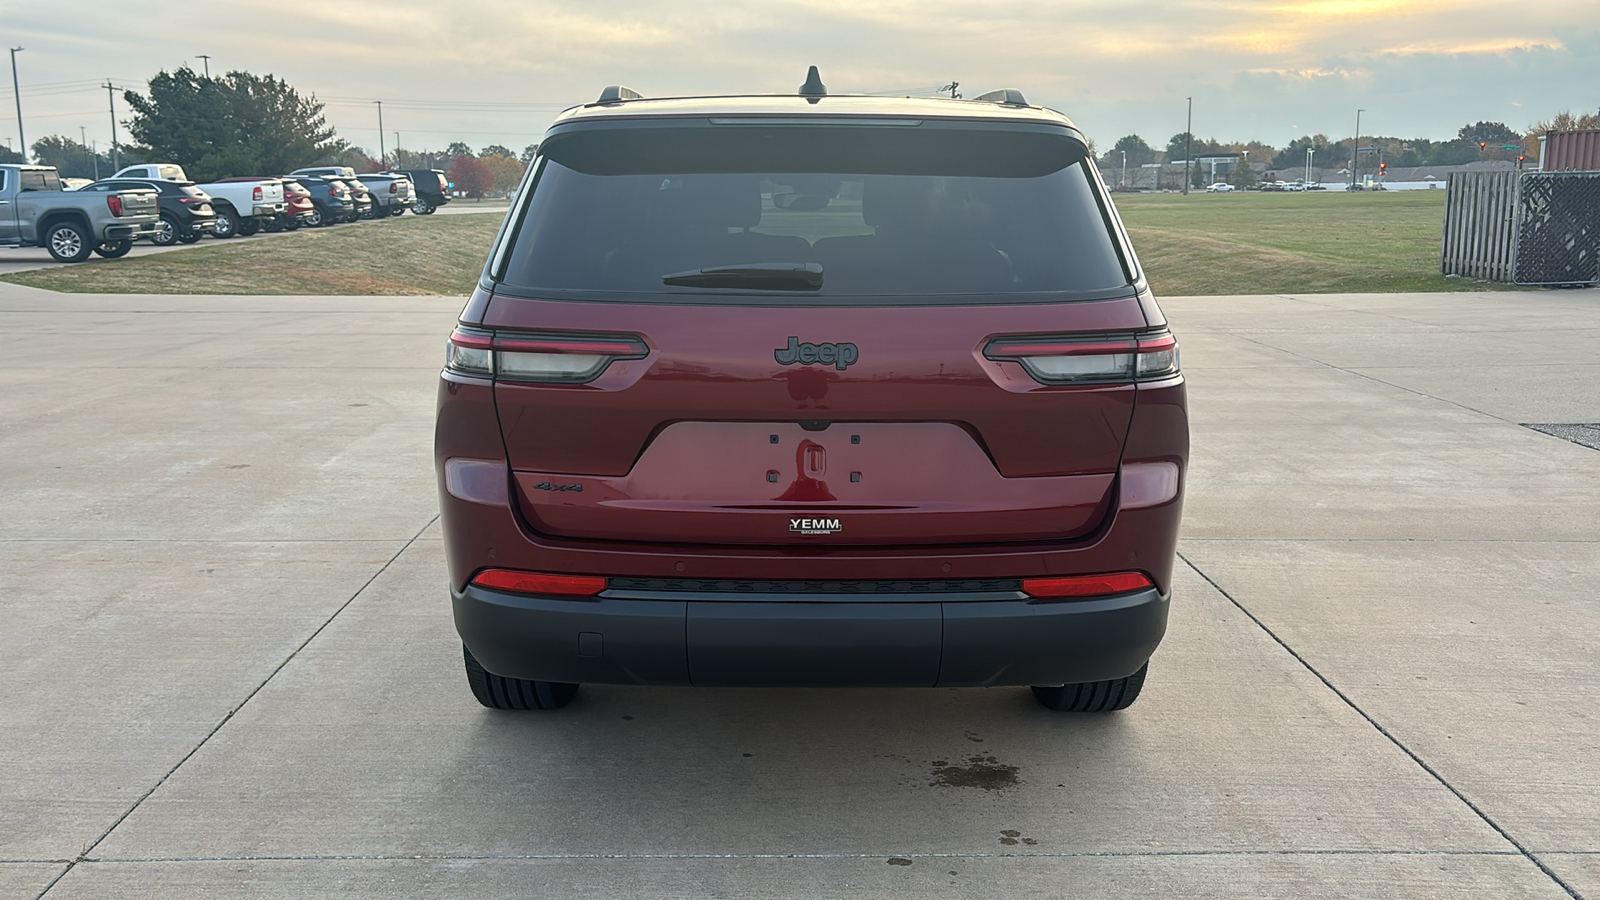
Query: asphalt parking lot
point(227, 667)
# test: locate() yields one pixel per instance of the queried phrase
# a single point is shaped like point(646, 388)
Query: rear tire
point(420, 207)
point(1093, 696)
point(316, 219)
point(397, 210)
point(68, 242)
point(189, 237)
point(248, 227)
point(114, 249)
point(498, 692)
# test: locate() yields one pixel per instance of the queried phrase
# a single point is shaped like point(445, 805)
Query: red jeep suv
point(811, 390)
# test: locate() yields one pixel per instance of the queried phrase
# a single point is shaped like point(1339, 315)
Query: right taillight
point(1090, 358)
point(538, 357)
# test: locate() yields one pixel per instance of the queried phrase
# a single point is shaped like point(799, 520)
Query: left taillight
point(1090, 358)
point(114, 203)
point(257, 194)
point(538, 357)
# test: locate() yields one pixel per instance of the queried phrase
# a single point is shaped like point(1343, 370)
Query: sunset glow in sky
point(495, 71)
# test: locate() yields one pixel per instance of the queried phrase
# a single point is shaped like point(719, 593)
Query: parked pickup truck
point(35, 212)
point(242, 207)
point(391, 193)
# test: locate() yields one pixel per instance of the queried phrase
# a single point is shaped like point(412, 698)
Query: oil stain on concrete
point(985, 772)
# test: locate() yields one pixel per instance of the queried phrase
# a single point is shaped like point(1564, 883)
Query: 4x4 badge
point(840, 355)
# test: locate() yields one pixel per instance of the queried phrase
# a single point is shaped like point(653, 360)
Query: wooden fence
point(1480, 224)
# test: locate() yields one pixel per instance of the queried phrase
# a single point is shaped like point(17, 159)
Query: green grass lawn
point(1255, 243)
point(1242, 243)
point(410, 255)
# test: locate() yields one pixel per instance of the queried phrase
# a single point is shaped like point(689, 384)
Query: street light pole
point(1188, 138)
point(381, 153)
point(1124, 182)
point(207, 60)
point(397, 150)
point(15, 89)
point(1309, 152)
point(1355, 151)
point(111, 100)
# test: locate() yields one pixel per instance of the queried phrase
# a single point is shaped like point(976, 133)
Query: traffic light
point(1482, 145)
point(1383, 169)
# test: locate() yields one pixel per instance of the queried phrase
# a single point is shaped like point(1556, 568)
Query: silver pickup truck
point(35, 212)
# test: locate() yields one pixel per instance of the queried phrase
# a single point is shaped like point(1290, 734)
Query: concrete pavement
point(227, 666)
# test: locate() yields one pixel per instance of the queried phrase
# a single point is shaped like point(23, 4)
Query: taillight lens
point(1081, 587)
point(470, 352)
point(540, 583)
point(114, 203)
point(1090, 358)
point(256, 194)
point(546, 358)
point(394, 187)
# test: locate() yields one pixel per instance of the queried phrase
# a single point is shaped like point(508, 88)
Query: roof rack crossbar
point(1005, 96)
point(616, 93)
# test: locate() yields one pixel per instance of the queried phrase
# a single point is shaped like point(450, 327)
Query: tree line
point(1479, 140)
point(239, 123)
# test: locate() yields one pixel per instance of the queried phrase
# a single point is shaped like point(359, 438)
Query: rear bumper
point(130, 232)
point(923, 640)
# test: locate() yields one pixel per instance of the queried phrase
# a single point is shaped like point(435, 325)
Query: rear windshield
point(39, 180)
point(896, 214)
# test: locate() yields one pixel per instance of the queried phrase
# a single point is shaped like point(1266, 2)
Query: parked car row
point(74, 218)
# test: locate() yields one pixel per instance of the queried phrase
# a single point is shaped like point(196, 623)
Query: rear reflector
point(1077, 587)
point(1090, 358)
point(540, 583)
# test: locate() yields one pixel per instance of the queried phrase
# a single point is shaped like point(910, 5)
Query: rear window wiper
point(752, 276)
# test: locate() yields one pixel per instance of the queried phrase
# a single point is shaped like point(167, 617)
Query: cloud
point(1256, 68)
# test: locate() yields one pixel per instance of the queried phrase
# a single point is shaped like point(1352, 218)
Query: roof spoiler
point(1005, 97)
point(616, 93)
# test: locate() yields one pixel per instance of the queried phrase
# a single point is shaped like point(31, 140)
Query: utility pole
point(17, 90)
point(1355, 151)
point(111, 100)
point(380, 132)
point(1188, 138)
point(207, 59)
point(83, 138)
point(397, 162)
point(1124, 181)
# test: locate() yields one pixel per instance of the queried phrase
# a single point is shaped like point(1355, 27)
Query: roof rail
point(1006, 96)
point(616, 93)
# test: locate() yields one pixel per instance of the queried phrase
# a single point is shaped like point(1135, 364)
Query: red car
point(811, 390)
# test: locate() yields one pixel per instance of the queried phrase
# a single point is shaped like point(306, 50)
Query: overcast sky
point(497, 71)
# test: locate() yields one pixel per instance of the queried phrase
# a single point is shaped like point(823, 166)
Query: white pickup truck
point(242, 207)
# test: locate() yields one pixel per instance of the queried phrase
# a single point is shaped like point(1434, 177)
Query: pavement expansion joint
point(1375, 380)
point(513, 857)
point(1348, 701)
point(84, 856)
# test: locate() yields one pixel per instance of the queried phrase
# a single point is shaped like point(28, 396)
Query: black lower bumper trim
point(712, 639)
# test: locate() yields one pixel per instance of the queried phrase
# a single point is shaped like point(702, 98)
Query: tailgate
point(712, 439)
